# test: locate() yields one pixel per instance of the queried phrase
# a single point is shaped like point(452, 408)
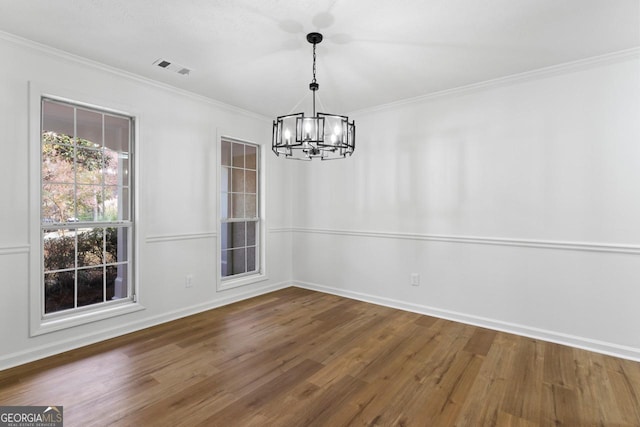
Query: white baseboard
point(607, 348)
point(40, 352)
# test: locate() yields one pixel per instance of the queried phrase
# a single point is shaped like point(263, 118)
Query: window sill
point(76, 319)
point(223, 285)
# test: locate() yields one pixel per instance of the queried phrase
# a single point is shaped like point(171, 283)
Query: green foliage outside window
point(60, 252)
point(78, 179)
point(62, 147)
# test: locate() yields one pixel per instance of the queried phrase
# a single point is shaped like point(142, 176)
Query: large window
point(86, 207)
point(239, 209)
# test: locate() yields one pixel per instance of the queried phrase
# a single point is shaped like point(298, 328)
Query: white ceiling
point(254, 55)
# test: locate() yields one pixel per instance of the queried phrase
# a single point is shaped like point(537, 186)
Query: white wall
point(517, 201)
point(177, 196)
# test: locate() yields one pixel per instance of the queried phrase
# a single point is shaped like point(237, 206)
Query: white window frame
point(41, 323)
point(231, 282)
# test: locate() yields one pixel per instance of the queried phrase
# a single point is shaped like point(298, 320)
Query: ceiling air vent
point(172, 66)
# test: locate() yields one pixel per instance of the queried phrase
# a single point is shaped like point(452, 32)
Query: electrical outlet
point(188, 281)
point(415, 279)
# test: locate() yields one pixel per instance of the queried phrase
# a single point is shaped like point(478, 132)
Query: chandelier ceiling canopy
point(322, 136)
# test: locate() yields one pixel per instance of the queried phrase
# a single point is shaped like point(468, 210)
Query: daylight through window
point(86, 206)
point(239, 211)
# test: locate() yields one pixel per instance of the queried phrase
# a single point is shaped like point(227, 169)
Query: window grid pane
point(238, 208)
point(237, 153)
point(85, 206)
point(90, 286)
point(59, 291)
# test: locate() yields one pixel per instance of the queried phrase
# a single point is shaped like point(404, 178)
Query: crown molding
point(58, 53)
point(540, 73)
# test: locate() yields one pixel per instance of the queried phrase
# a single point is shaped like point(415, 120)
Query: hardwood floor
point(302, 358)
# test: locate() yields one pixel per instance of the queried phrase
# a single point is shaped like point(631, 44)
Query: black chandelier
point(324, 136)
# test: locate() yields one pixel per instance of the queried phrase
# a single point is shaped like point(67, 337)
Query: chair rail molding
point(178, 237)
point(479, 240)
point(15, 250)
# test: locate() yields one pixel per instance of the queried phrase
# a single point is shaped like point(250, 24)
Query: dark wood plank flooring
point(302, 358)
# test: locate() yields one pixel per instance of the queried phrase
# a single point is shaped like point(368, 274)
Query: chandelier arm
point(298, 104)
point(320, 104)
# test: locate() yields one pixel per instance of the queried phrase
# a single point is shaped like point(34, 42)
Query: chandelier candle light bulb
point(311, 132)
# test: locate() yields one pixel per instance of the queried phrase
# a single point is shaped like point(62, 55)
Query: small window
point(86, 208)
point(239, 209)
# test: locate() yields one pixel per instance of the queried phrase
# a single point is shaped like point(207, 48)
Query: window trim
point(231, 282)
point(39, 322)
